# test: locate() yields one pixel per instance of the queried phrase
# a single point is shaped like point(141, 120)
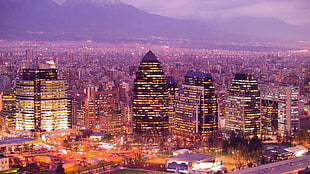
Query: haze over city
point(139, 86)
point(292, 12)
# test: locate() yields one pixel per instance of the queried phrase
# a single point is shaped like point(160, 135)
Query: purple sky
point(290, 11)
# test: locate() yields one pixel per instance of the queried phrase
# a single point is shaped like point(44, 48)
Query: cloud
point(291, 11)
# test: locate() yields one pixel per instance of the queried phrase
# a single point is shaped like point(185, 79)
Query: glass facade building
point(108, 112)
point(150, 99)
point(7, 111)
point(196, 112)
point(173, 96)
point(41, 101)
point(242, 105)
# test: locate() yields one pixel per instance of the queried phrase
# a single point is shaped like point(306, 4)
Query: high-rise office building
point(242, 106)
point(173, 94)
point(269, 117)
point(283, 100)
point(91, 121)
point(196, 112)
point(29, 56)
point(306, 92)
point(102, 111)
point(41, 100)
point(307, 86)
point(74, 110)
point(150, 99)
point(108, 111)
point(7, 108)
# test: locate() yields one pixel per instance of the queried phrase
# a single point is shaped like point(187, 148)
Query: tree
point(302, 137)
point(107, 138)
point(60, 169)
point(225, 146)
point(255, 144)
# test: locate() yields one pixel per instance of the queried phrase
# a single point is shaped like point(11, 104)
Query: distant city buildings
point(196, 114)
point(243, 106)
point(150, 100)
point(29, 56)
point(41, 100)
point(128, 100)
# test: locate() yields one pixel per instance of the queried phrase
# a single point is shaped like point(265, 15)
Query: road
point(278, 167)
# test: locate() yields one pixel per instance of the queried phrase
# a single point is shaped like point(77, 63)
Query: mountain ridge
point(108, 20)
point(263, 28)
point(99, 2)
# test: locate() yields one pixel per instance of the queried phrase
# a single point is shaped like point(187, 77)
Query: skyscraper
point(269, 116)
point(173, 94)
point(41, 100)
point(284, 100)
point(196, 112)
point(29, 56)
point(150, 99)
point(108, 112)
point(91, 121)
point(242, 106)
point(306, 89)
point(7, 108)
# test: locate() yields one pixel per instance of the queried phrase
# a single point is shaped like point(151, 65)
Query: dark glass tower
point(196, 113)
point(150, 99)
point(269, 116)
point(243, 106)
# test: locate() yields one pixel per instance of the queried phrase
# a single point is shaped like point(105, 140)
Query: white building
point(287, 99)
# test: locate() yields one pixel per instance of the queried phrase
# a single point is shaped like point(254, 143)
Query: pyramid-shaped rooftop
point(150, 57)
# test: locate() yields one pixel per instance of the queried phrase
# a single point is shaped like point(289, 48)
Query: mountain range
point(113, 20)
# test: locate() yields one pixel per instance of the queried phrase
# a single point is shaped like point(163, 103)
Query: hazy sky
point(291, 11)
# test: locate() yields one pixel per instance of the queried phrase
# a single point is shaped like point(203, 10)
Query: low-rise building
point(273, 154)
point(4, 163)
point(192, 162)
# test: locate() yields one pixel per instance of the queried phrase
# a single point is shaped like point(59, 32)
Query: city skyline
point(111, 70)
point(184, 86)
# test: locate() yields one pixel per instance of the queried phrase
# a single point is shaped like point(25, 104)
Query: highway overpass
point(278, 167)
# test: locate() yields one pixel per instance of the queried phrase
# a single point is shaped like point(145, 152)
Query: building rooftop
point(2, 156)
point(150, 57)
point(198, 74)
point(170, 80)
point(192, 157)
point(97, 134)
point(182, 150)
point(16, 140)
point(243, 76)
